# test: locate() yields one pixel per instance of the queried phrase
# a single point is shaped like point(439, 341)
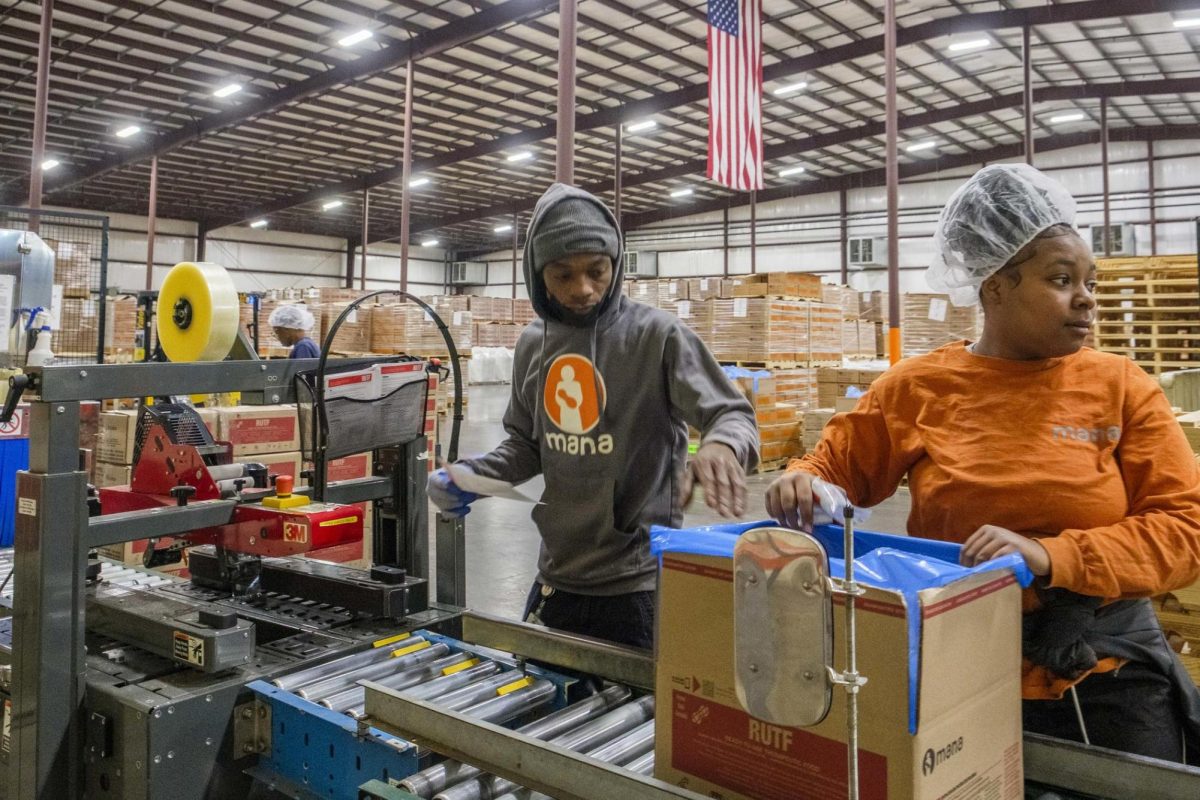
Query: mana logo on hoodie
point(574, 397)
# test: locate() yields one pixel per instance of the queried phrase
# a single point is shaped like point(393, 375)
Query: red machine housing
point(256, 529)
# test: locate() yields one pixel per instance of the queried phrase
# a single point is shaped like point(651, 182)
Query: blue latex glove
point(453, 501)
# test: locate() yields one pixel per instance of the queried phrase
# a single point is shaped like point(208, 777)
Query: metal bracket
point(252, 729)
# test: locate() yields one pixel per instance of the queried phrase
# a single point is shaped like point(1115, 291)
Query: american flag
point(735, 93)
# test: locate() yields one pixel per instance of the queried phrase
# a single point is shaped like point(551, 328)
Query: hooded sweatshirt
point(602, 410)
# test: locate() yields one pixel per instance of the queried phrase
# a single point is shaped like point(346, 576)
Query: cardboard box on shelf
point(106, 474)
point(803, 285)
point(117, 437)
point(255, 430)
point(967, 737)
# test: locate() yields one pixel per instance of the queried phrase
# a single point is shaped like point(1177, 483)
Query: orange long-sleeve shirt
point(1082, 452)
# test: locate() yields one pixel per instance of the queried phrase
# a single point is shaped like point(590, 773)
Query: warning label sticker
point(27, 506)
point(189, 648)
point(295, 532)
point(728, 747)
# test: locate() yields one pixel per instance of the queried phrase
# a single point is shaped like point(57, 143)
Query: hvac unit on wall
point(867, 251)
point(640, 264)
point(468, 273)
point(1121, 237)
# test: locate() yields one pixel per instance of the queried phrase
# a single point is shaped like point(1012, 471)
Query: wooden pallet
point(772, 466)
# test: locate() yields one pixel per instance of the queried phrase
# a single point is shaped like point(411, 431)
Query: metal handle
point(16, 387)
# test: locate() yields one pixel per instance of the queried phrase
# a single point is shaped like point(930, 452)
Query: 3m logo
point(935, 758)
point(570, 394)
point(295, 532)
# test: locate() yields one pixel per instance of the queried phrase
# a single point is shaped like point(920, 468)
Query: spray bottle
point(41, 354)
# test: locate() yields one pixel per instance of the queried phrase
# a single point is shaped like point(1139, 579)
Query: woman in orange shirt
point(1028, 442)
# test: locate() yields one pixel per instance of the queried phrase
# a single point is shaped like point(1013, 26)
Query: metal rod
point(1150, 195)
point(151, 224)
point(201, 241)
point(1104, 162)
point(405, 191)
point(514, 256)
point(617, 172)
point(289, 683)
point(725, 240)
point(366, 213)
point(41, 103)
point(753, 231)
point(503, 708)
point(1079, 715)
point(1027, 66)
point(386, 666)
point(852, 684)
point(565, 147)
point(448, 683)
point(892, 170)
point(844, 225)
point(349, 698)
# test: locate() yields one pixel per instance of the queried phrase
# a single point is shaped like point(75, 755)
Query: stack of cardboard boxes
point(834, 383)
point(778, 423)
point(492, 318)
point(931, 320)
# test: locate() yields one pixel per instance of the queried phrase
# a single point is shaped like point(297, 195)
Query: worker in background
point(1027, 442)
point(291, 324)
point(603, 391)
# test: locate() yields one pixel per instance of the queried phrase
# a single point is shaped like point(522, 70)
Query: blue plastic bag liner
point(14, 455)
point(904, 564)
point(733, 372)
point(854, 391)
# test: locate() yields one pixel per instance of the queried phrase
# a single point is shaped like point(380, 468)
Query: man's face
point(580, 281)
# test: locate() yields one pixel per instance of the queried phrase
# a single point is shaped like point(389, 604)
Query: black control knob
point(389, 575)
point(182, 494)
point(218, 620)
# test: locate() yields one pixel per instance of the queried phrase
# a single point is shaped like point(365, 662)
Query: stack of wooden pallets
point(1148, 309)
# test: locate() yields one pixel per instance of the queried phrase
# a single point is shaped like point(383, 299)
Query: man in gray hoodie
point(603, 390)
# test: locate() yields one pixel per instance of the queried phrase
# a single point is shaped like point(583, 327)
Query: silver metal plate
point(783, 626)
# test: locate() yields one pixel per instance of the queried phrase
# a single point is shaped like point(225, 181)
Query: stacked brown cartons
point(703, 288)
point(393, 326)
point(796, 386)
point(844, 297)
point(643, 291)
point(490, 309)
point(78, 328)
point(354, 334)
point(814, 423)
point(672, 290)
point(835, 383)
point(782, 332)
point(522, 311)
point(120, 329)
point(73, 267)
point(779, 284)
point(495, 334)
point(697, 315)
point(931, 320)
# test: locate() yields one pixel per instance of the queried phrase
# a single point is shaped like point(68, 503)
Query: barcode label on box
point(937, 309)
point(684, 308)
point(740, 306)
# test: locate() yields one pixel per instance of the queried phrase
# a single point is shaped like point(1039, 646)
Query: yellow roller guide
point(197, 317)
point(399, 637)
point(459, 667)
point(509, 688)
point(412, 648)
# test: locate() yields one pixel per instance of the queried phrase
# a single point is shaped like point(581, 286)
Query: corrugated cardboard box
point(967, 742)
point(117, 437)
point(254, 430)
point(107, 474)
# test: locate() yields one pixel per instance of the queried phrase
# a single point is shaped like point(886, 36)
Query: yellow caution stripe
point(509, 688)
point(412, 648)
point(470, 662)
point(341, 521)
point(399, 637)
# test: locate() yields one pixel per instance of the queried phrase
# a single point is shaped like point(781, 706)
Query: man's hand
point(715, 466)
point(790, 500)
point(992, 541)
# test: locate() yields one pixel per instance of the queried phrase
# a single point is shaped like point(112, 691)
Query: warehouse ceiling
point(318, 117)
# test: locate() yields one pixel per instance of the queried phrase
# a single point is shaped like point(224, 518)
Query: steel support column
point(617, 172)
point(151, 222)
point(893, 182)
point(350, 245)
point(725, 239)
point(565, 149)
point(514, 255)
point(1104, 168)
point(844, 229)
point(41, 101)
point(1150, 192)
point(366, 214)
point(202, 241)
point(753, 231)
point(406, 191)
point(1027, 68)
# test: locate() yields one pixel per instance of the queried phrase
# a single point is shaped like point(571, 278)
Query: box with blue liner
point(940, 716)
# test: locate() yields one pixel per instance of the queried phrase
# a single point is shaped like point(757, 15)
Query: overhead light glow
point(225, 91)
point(429, 243)
point(1072, 117)
point(522, 156)
point(681, 193)
point(332, 204)
point(919, 146)
point(783, 173)
point(258, 223)
point(971, 44)
point(49, 164)
point(1188, 23)
point(638, 127)
point(503, 229)
point(125, 133)
point(416, 182)
point(354, 38)
point(793, 87)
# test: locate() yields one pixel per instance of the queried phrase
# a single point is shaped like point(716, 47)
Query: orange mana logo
point(570, 394)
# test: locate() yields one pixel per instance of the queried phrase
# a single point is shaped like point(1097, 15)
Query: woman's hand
point(992, 541)
point(790, 500)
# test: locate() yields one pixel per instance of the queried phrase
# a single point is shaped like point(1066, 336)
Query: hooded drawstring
point(596, 378)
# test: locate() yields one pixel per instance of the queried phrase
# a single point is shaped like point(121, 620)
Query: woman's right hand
point(790, 500)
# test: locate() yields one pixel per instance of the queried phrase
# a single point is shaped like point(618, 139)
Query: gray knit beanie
point(573, 225)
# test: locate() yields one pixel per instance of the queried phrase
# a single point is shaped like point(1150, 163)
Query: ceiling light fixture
point(522, 156)
point(794, 87)
point(638, 127)
point(125, 133)
point(49, 164)
point(919, 146)
point(354, 38)
point(1074, 116)
point(1188, 23)
point(416, 182)
point(332, 204)
point(783, 173)
point(258, 223)
point(429, 243)
point(225, 91)
point(971, 44)
point(503, 229)
point(681, 193)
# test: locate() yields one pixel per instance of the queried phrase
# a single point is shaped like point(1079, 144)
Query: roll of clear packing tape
point(197, 315)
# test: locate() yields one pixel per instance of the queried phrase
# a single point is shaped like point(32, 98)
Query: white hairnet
point(295, 317)
point(989, 219)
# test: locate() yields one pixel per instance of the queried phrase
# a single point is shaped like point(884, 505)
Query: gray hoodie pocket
point(580, 542)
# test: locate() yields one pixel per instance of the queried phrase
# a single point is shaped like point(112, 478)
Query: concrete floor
point(502, 542)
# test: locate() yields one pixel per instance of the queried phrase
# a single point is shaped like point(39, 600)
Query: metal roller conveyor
point(398, 660)
point(448, 683)
point(477, 692)
point(347, 699)
point(642, 765)
point(294, 680)
point(511, 705)
point(432, 780)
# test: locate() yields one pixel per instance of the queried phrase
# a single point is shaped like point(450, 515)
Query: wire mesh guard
point(80, 245)
point(388, 411)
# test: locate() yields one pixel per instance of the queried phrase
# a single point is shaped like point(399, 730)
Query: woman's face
point(1049, 311)
point(288, 336)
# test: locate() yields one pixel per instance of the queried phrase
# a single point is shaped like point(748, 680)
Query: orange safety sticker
point(412, 648)
point(470, 662)
point(509, 688)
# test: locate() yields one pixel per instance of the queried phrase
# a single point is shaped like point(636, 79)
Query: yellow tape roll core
point(197, 316)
